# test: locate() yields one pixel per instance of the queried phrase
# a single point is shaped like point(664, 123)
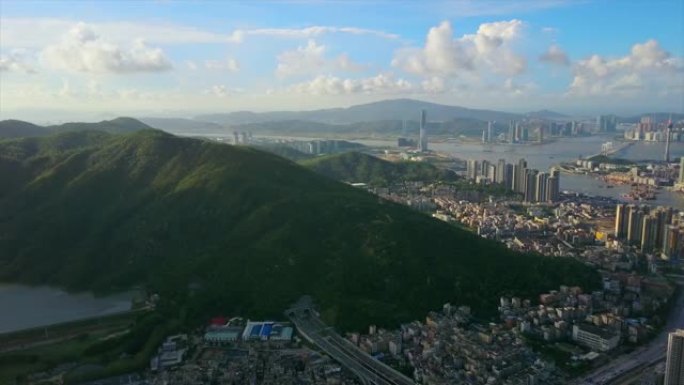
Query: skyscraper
point(500, 171)
point(606, 123)
point(674, 366)
point(515, 178)
point(670, 243)
point(490, 127)
point(540, 187)
point(508, 176)
point(668, 134)
point(491, 173)
point(484, 168)
point(522, 168)
point(681, 170)
point(423, 132)
point(553, 185)
point(620, 221)
point(635, 220)
point(530, 185)
point(648, 233)
point(472, 168)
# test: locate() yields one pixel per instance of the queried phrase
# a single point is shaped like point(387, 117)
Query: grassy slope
point(255, 231)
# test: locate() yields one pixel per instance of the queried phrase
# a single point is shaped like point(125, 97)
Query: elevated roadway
point(369, 370)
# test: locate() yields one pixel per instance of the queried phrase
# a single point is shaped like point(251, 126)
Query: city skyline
point(169, 58)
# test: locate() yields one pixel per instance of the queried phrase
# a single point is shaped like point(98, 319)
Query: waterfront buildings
point(606, 123)
point(535, 186)
point(648, 129)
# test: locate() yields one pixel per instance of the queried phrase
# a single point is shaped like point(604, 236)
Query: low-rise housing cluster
point(449, 348)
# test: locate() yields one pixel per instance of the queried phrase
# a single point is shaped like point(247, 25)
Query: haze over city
point(91, 60)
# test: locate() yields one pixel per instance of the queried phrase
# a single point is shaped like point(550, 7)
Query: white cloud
point(555, 55)
point(310, 59)
point(384, 83)
point(434, 84)
point(647, 68)
point(230, 65)
point(219, 90)
point(82, 50)
point(16, 61)
point(223, 91)
point(487, 50)
point(39, 32)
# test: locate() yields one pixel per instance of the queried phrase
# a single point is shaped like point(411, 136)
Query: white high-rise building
point(674, 368)
point(423, 145)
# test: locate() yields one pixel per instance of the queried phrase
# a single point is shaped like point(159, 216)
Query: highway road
point(646, 355)
point(369, 370)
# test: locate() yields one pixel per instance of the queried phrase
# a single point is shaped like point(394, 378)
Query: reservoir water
point(23, 307)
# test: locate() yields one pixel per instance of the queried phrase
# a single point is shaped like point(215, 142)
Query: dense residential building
point(674, 366)
point(653, 230)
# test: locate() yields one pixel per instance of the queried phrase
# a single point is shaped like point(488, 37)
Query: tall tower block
point(668, 133)
point(423, 145)
point(674, 366)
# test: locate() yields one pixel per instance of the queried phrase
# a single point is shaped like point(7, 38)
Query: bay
point(546, 155)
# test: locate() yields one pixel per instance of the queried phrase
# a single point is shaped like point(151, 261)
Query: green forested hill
point(359, 167)
point(18, 129)
point(249, 230)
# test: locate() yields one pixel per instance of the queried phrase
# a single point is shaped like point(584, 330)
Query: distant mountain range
point(397, 117)
point(547, 115)
point(396, 109)
point(183, 125)
point(18, 128)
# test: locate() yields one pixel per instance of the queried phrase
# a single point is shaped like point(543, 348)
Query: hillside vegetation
point(247, 231)
point(359, 167)
point(18, 129)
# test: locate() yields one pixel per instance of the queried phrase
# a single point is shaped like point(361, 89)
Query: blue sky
point(85, 59)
